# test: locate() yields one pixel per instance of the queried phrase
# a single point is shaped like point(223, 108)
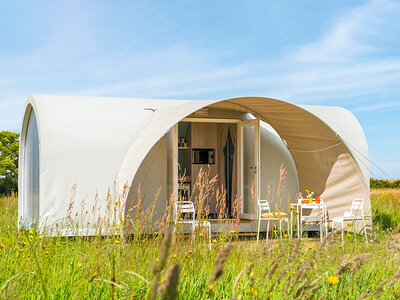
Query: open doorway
point(228, 151)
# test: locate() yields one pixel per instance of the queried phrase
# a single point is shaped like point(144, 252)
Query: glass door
point(248, 167)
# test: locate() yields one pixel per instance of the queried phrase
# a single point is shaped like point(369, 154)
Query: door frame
point(240, 167)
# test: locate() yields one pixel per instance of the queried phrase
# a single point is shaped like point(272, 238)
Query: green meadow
point(159, 266)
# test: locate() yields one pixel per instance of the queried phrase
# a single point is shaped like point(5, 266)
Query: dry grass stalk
point(295, 249)
point(267, 249)
point(379, 288)
point(345, 264)
point(360, 259)
point(220, 262)
point(168, 289)
point(165, 245)
point(363, 294)
point(236, 281)
point(273, 267)
point(306, 285)
point(301, 269)
point(395, 278)
point(330, 238)
point(323, 296)
point(303, 286)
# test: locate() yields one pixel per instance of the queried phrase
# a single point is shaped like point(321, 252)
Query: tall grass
point(154, 266)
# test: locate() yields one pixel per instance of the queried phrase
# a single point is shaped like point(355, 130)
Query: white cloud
point(347, 38)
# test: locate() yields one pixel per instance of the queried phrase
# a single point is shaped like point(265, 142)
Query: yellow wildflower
point(310, 247)
point(116, 241)
point(24, 243)
point(184, 274)
point(31, 231)
point(297, 212)
point(31, 237)
point(293, 272)
point(212, 286)
point(253, 292)
point(200, 234)
point(291, 207)
point(277, 245)
point(214, 241)
point(251, 275)
point(122, 220)
point(340, 246)
point(174, 255)
point(116, 202)
point(232, 231)
point(117, 227)
point(333, 279)
point(40, 237)
point(349, 224)
point(190, 251)
point(72, 248)
point(157, 259)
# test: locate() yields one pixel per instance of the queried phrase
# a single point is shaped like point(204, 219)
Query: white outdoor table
point(302, 206)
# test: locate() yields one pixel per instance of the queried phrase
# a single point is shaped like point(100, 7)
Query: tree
point(9, 148)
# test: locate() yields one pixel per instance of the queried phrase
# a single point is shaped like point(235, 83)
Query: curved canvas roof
point(96, 144)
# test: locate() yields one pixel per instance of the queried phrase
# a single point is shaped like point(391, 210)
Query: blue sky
point(342, 53)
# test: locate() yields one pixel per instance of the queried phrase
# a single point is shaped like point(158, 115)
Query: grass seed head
point(220, 262)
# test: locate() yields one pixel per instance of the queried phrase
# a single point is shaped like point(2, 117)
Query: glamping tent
point(88, 162)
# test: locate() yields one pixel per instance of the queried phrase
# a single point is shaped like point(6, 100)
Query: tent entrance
point(226, 151)
point(206, 153)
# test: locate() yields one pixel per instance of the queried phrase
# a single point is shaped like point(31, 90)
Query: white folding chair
point(263, 205)
point(187, 207)
point(356, 213)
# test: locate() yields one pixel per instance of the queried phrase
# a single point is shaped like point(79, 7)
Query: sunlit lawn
point(59, 268)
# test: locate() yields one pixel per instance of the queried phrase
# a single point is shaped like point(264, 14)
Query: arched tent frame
point(305, 130)
point(309, 139)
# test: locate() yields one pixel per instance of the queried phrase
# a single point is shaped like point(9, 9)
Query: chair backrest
point(263, 205)
point(182, 207)
point(357, 206)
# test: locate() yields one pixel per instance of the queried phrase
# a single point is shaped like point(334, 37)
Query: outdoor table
point(300, 206)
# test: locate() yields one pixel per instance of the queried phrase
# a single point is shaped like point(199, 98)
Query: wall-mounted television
point(203, 156)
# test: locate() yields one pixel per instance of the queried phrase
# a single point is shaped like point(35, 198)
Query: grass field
point(33, 267)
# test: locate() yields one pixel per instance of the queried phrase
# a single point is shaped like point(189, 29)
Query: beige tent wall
point(151, 181)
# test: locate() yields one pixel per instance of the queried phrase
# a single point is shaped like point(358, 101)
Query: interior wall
point(204, 135)
point(31, 172)
point(274, 154)
point(151, 177)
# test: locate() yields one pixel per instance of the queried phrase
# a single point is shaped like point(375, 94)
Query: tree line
point(9, 150)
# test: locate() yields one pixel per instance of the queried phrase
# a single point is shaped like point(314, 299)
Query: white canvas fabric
point(93, 148)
